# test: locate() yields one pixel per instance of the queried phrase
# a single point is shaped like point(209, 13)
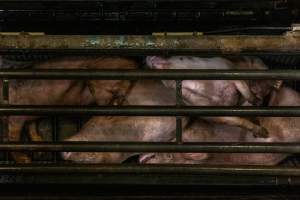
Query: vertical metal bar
point(79, 123)
point(5, 96)
point(295, 82)
point(55, 137)
point(178, 118)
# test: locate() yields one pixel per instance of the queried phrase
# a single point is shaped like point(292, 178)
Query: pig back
point(150, 93)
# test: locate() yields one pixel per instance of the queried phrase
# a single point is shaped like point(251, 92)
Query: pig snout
point(156, 62)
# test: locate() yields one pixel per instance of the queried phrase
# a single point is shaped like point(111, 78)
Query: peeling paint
point(121, 42)
point(149, 42)
point(92, 41)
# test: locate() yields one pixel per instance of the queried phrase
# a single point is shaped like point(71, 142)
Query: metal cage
point(84, 177)
point(287, 44)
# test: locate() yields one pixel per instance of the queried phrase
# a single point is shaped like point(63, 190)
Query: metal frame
point(133, 44)
point(213, 147)
point(289, 44)
point(151, 169)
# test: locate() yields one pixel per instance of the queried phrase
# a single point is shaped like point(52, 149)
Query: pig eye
point(181, 58)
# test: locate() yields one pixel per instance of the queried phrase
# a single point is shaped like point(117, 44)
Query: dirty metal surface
point(217, 44)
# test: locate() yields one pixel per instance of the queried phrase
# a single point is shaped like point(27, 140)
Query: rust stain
point(223, 44)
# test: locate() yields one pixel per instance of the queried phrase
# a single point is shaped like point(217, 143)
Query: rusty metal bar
point(154, 147)
point(151, 74)
point(151, 169)
point(289, 43)
point(285, 111)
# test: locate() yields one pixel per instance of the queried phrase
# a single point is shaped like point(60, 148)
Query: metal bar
point(179, 101)
point(54, 137)
point(178, 105)
point(150, 43)
point(286, 111)
point(5, 91)
point(5, 120)
point(89, 74)
point(112, 0)
point(283, 28)
point(151, 169)
point(155, 147)
point(142, 180)
point(179, 129)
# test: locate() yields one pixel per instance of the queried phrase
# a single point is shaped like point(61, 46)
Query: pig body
point(59, 92)
point(201, 131)
point(281, 129)
point(218, 92)
point(126, 129)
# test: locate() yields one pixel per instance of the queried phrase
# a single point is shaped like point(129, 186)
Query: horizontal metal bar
point(143, 180)
point(155, 147)
point(230, 30)
point(288, 111)
point(153, 74)
point(192, 44)
point(151, 169)
point(116, 0)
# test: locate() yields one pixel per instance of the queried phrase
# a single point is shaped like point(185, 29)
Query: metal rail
point(288, 111)
point(152, 74)
point(150, 169)
point(153, 44)
point(113, 0)
point(154, 147)
point(89, 74)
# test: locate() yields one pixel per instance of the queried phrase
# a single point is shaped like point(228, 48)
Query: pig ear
point(277, 84)
point(145, 157)
point(195, 156)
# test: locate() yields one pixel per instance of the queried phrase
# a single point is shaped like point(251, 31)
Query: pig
point(128, 129)
point(219, 92)
point(281, 129)
point(202, 131)
point(61, 92)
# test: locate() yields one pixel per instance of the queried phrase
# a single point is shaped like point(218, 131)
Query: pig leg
point(15, 125)
point(257, 130)
point(245, 91)
point(33, 133)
